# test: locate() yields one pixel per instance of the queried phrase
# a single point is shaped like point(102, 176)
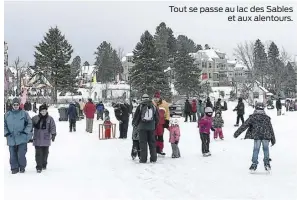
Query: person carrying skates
point(261, 131)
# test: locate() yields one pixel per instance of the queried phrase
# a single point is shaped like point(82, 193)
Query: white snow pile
point(82, 167)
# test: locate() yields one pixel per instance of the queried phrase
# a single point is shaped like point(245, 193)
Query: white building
point(210, 61)
point(127, 65)
point(258, 94)
point(87, 73)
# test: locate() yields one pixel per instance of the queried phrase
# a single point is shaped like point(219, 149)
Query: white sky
point(87, 24)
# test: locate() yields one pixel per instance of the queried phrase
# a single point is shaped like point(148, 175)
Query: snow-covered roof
point(127, 55)
point(240, 66)
point(88, 69)
point(231, 62)
point(208, 54)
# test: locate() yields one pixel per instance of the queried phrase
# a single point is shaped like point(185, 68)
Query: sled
point(105, 133)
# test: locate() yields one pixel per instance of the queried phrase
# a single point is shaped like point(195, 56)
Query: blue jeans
point(257, 145)
point(18, 156)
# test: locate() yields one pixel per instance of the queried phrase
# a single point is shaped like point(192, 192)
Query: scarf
point(43, 120)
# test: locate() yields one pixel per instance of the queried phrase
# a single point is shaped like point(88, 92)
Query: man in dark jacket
point(188, 110)
point(260, 130)
point(100, 110)
point(208, 103)
point(278, 106)
point(122, 114)
point(72, 115)
point(146, 118)
point(218, 106)
point(240, 111)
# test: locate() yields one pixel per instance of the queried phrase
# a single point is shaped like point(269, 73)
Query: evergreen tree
point(76, 66)
point(171, 44)
point(187, 75)
point(260, 61)
point(52, 56)
point(86, 63)
point(117, 64)
point(199, 47)
point(105, 69)
point(146, 75)
point(290, 85)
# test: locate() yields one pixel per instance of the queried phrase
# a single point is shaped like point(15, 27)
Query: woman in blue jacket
point(18, 132)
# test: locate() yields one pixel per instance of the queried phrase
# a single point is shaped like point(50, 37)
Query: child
point(218, 123)
point(260, 130)
point(174, 138)
point(135, 147)
point(107, 127)
point(205, 125)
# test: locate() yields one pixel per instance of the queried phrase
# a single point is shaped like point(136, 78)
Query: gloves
point(53, 138)
point(176, 142)
point(166, 125)
point(30, 141)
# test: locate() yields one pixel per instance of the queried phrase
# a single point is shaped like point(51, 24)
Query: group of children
point(205, 124)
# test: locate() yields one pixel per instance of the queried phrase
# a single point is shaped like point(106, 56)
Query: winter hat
point(157, 94)
point(208, 110)
point(219, 99)
point(145, 97)
point(42, 107)
point(16, 100)
point(259, 106)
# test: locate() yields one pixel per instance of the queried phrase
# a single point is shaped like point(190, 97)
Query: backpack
point(148, 113)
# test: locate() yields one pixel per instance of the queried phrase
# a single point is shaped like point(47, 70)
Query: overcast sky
point(87, 24)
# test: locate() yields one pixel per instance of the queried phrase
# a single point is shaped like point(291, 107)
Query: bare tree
point(20, 69)
point(284, 56)
point(245, 53)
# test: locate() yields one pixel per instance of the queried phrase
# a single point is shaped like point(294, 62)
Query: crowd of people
point(151, 117)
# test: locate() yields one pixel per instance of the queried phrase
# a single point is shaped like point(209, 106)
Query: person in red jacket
point(89, 111)
point(160, 131)
point(194, 109)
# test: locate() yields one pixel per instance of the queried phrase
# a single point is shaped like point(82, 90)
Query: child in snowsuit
point(159, 132)
point(174, 132)
point(205, 125)
point(107, 127)
point(218, 123)
point(135, 147)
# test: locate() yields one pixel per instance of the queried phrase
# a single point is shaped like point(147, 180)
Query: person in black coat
point(72, 115)
point(240, 111)
point(208, 103)
point(34, 107)
point(188, 110)
point(122, 114)
point(278, 106)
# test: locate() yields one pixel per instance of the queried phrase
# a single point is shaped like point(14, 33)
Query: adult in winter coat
point(81, 107)
point(100, 110)
point(27, 106)
point(72, 116)
point(278, 106)
point(163, 119)
point(18, 132)
point(218, 106)
point(146, 119)
point(200, 110)
point(194, 109)
point(34, 107)
point(188, 110)
point(240, 111)
point(44, 132)
point(122, 114)
point(205, 125)
point(208, 103)
point(260, 130)
point(89, 111)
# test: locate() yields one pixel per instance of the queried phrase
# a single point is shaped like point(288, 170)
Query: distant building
point(87, 73)
point(127, 65)
point(210, 62)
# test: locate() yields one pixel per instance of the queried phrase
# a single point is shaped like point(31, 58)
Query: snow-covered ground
point(81, 167)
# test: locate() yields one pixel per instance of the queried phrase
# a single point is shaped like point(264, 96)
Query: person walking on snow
point(188, 110)
point(164, 106)
point(122, 114)
point(205, 125)
point(261, 131)
point(146, 119)
point(278, 106)
point(100, 110)
point(72, 116)
point(81, 107)
point(208, 103)
point(44, 132)
point(200, 110)
point(240, 111)
point(218, 124)
point(174, 136)
point(160, 131)
point(89, 111)
point(194, 110)
point(18, 132)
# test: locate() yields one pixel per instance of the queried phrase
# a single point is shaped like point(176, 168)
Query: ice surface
point(83, 168)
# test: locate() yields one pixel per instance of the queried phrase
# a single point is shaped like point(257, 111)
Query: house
point(127, 65)
point(226, 74)
point(210, 61)
point(87, 73)
point(258, 94)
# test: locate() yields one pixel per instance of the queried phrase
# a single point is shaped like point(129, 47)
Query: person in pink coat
point(205, 125)
point(174, 135)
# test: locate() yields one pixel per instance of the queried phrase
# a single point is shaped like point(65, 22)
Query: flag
point(94, 79)
point(204, 76)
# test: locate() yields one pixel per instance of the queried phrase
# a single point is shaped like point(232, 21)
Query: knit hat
point(208, 110)
point(42, 107)
point(16, 100)
point(157, 94)
point(145, 97)
point(259, 106)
